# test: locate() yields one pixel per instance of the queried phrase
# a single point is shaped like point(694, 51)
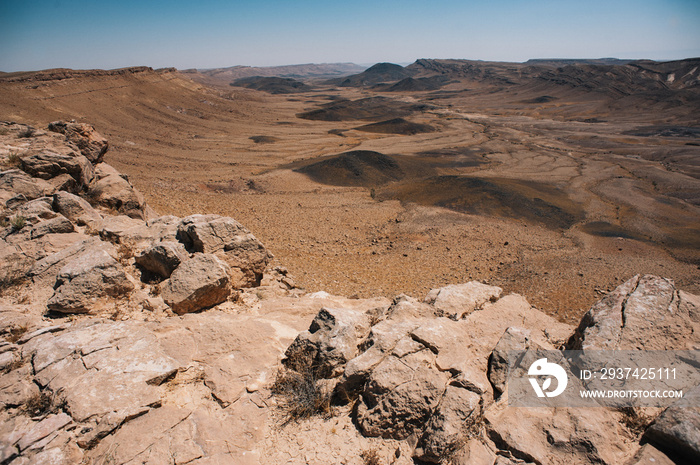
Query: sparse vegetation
point(15, 333)
point(18, 222)
point(301, 395)
point(27, 133)
point(125, 253)
point(13, 159)
point(43, 403)
point(370, 457)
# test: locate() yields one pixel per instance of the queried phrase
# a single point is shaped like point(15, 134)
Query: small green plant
point(18, 222)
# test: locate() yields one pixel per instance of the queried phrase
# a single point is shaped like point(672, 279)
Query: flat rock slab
point(101, 367)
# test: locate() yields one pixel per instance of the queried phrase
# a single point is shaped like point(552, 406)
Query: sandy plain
point(559, 200)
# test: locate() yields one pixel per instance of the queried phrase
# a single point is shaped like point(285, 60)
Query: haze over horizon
point(212, 33)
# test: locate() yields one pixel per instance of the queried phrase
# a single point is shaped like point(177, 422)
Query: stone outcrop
point(458, 300)
point(162, 258)
point(200, 282)
point(93, 274)
point(644, 313)
point(112, 190)
point(229, 240)
point(90, 143)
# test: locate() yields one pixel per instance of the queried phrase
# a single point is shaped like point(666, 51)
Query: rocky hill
point(129, 338)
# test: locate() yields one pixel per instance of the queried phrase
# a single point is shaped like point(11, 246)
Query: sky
point(82, 34)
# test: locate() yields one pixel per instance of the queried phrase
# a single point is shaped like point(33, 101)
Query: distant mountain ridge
point(303, 71)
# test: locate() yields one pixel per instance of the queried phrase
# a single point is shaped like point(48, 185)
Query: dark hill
point(371, 108)
point(357, 168)
point(272, 85)
point(377, 74)
point(419, 84)
point(509, 198)
point(396, 126)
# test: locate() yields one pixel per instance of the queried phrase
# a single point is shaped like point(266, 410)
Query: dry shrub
point(301, 395)
point(15, 333)
point(370, 457)
point(26, 133)
point(43, 403)
point(18, 222)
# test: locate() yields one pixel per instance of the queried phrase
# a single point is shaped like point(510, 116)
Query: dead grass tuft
point(26, 133)
point(43, 403)
point(370, 457)
point(15, 333)
point(301, 395)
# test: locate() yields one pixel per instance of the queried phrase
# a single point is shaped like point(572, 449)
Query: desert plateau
point(330, 263)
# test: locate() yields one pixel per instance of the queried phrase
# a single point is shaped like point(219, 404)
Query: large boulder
point(163, 258)
point(76, 209)
point(15, 184)
point(198, 283)
point(58, 225)
point(112, 190)
point(90, 143)
point(47, 163)
point(644, 313)
point(91, 275)
point(229, 240)
point(547, 435)
point(331, 341)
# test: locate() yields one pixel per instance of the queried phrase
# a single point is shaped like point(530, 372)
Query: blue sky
point(83, 34)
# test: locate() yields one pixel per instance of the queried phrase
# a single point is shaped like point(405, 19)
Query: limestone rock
point(405, 307)
point(448, 427)
point(137, 234)
point(50, 162)
point(42, 429)
point(644, 313)
point(76, 209)
point(229, 240)
point(58, 225)
point(400, 395)
point(677, 430)
point(559, 435)
point(200, 282)
point(16, 182)
point(163, 258)
point(91, 275)
point(36, 210)
point(114, 227)
point(649, 455)
point(91, 144)
point(331, 341)
point(514, 338)
point(112, 190)
point(458, 300)
point(100, 367)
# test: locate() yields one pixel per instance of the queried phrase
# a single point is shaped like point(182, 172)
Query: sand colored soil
point(559, 199)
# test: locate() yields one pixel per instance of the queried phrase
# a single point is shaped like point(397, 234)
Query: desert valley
point(369, 228)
